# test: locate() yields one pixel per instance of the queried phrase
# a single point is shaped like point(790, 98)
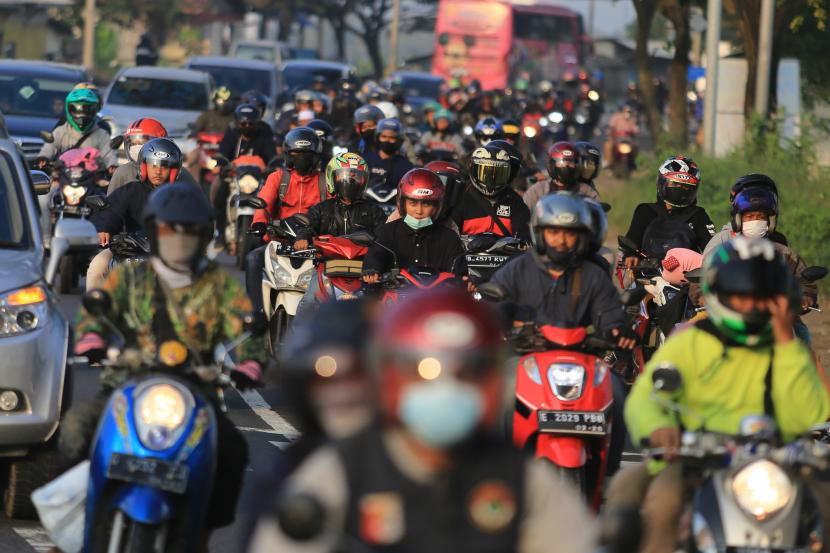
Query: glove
point(258, 229)
point(92, 346)
point(247, 375)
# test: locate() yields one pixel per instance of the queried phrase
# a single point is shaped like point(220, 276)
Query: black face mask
point(368, 137)
point(247, 131)
point(302, 162)
point(389, 148)
point(560, 260)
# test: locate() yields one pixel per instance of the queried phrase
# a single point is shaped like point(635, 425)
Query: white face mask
point(178, 251)
point(755, 229)
point(133, 151)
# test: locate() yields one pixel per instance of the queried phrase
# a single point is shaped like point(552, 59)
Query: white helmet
point(390, 111)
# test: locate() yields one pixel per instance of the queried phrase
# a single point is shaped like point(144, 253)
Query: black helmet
point(589, 160)
point(515, 154)
point(302, 149)
point(599, 225)
point(488, 129)
point(564, 164)
point(324, 133)
point(677, 181)
point(753, 179)
point(256, 99)
point(367, 113)
point(511, 129)
point(750, 267)
point(160, 152)
point(754, 198)
point(490, 169)
point(247, 117)
point(183, 206)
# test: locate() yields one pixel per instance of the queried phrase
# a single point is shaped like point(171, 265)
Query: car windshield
point(33, 96)
point(237, 79)
point(13, 221)
point(297, 77)
point(254, 52)
point(159, 93)
point(424, 88)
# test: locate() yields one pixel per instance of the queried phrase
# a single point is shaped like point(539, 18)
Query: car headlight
point(532, 369)
point(529, 131)
point(248, 184)
point(22, 310)
point(556, 117)
point(762, 489)
point(566, 380)
point(73, 194)
point(624, 148)
point(305, 279)
point(161, 412)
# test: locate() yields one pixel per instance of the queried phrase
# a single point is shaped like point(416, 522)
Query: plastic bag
point(61, 506)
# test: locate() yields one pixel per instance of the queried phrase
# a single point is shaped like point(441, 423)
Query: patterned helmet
point(677, 181)
point(347, 176)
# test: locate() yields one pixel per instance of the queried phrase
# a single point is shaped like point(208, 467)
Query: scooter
point(249, 174)
point(486, 253)
point(208, 144)
point(340, 265)
point(624, 155)
point(385, 196)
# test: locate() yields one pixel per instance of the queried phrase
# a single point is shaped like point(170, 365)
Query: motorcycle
point(154, 452)
point(247, 179)
point(750, 492)
point(380, 192)
point(486, 253)
point(208, 144)
point(398, 283)
point(340, 264)
point(128, 248)
point(624, 154)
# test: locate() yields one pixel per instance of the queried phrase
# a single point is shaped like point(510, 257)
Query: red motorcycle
point(397, 283)
point(208, 144)
point(340, 264)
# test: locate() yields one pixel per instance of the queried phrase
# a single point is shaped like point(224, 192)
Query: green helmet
point(443, 113)
point(81, 107)
point(347, 176)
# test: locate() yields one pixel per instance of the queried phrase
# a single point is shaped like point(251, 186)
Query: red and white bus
point(496, 40)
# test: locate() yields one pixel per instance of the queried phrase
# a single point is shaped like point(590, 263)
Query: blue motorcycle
point(153, 457)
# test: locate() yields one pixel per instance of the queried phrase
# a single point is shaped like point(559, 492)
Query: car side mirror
point(96, 202)
point(814, 273)
point(254, 202)
point(492, 291)
point(41, 181)
point(116, 142)
point(301, 516)
point(70, 235)
point(632, 296)
point(666, 378)
point(47, 136)
point(97, 302)
point(361, 237)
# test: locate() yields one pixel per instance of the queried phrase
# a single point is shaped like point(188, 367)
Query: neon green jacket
point(723, 385)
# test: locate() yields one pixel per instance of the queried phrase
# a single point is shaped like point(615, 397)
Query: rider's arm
point(102, 142)
point(270, 193)
point(112, 218)
point(703, 227)
point(798, 393)
point(236, 306)
point(606, 309)
point(378, 259)
point(315, 221)
point(521, 220)
point(643, 216)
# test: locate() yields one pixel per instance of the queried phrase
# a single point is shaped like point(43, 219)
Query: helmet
point(561, 210)
point(389, 110)
point(302, 149)
point(184, 206)
point(564, 164)
point(599, 225)
point(441, 343)
point(754, 198)
point(256, 99)
point(421, 184)
point(511, 129)
point(367, 113)
point(387, 125)
point(324, 133)
point(161, 152)
point(304, 96)
point(431, 106)
point(347, 176)
point(677, 181)
point(86, 85)
point(450, 175)
point(139, 133)
point(749, 267)
point(589, 160)
point(81, 106)
point(490, 169)
point(488, 129)
point(515, 154)
point(442, 113)
point(222, 99)
point(754, 179)
point(246, 115)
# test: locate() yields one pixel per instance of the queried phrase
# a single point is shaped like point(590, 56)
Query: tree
point(371, 14)
point(645, 10)
point(678, 12)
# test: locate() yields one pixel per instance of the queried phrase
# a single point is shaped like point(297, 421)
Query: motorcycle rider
point(79, 130)
point(490, 204)
point(326, 135)
point(136, 136)
point(441, 136)
point(366, 120)
point(621, 124)
point(178, 277)
point(565, 169)
point(160, 161)
point(430, 474)
point(674, 219)
point(219, 117)
point(415, 240)
point(387, 162)
point(303, 99)
point(590, 162)
point(742, 360)
point(488, 129)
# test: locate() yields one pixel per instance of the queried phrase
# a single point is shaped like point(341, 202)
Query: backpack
point(669, 231)
point(286, 179)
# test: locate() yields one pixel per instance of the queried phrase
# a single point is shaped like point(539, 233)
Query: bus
point(496, 41)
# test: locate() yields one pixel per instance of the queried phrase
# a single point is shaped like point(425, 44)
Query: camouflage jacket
point(213, 310)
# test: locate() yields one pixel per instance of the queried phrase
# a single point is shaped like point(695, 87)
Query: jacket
point(474, 214)
point(450, 142)
point(336, 218)
point(260, 144)
point(128, 172)
point(535, 295)
point(302, 193)
point(435, 247)
point(67, 138)
point(211, 121)
point(700, 225)
point(543, 188)
point(391, 169)
point(125, 209)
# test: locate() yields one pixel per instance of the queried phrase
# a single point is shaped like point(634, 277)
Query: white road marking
point(280, 445)
point(263, 430)
point(37, 538)
point(259, 406)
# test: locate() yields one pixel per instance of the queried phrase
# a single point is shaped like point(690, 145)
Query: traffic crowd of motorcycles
point(423, 296)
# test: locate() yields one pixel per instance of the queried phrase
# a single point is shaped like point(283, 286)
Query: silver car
point(35, 383)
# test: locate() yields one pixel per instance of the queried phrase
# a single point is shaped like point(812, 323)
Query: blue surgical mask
point(443, 412)
point(417, 224)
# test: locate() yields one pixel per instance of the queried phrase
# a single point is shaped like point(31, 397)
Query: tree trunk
point(645, 16)
point(339, 28)
point(371, 38)
point(286, 21)
point(677, 11)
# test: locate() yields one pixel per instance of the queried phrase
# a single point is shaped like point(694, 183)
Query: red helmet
point(139, 133)
point(434, 332)
point(421, 184)
point(564, 163)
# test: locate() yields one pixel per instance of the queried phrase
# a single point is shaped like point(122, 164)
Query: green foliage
point(106, 49)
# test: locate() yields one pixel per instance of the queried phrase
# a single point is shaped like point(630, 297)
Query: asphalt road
point(255, 413)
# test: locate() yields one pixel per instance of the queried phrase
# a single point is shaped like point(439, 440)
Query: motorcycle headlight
point(556, 117)
point(581, 118)
point(624, 148)
point(161, 410)
point(305, 279)
point(468, 130)
point(543, 121)
point(529, 131)
point(600, 370)
point(248, 184)
point(73, 194)
point(593, 95)
point(282, 278)
point(566, 380)
point(762, 489)
point(22, 310)
point(532, 369)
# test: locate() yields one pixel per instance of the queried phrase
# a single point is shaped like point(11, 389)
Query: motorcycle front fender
point(289, 300)
point(143, 504)
point(563, 451)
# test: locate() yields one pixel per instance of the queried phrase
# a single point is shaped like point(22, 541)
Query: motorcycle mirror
point(254, 202)
point(47, 136)
point(606, 207)
point(96, 202)
point(627, 243)
point(694, 275)
point(361, 238)
point(301, 516)
point(666, 378)
point(633, 296)
point(814, 273)
point(492, 291)
point(221, 160)
point(41, 182)
point(97, 302)
point(256, 323)
point(758, 426)
point(621, 530)
point(116, 142)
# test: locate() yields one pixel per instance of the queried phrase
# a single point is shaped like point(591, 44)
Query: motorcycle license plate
point(148, 471)
point(764, 550)
point(573, 422)
point(486, 261)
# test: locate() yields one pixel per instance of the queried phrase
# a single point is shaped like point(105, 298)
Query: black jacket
point(475, 214)
point(260, 144)
point(125, 209)
point(336, 218)
point(436, 247)
point(391, 169)
point(700, 226)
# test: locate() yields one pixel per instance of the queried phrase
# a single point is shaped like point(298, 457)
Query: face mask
point(368, 137)
point(303, 164)
point(134, 150)
point(179, 251)
point(441, 413)
point(342, 408)
point(389, 147)
point(755, 229)
point(557, 259)
point(416, 224)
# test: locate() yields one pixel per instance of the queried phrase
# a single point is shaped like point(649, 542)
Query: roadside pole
point(764, 58)
point(713, 13)
point(89, 35)
point(392, 64)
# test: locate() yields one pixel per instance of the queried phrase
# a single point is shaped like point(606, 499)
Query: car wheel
point(25, 476)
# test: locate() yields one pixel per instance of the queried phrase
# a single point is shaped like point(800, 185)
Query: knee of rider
point(664, 499)
point(628, 487)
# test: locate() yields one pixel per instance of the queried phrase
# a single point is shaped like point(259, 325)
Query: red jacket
point(303, 192)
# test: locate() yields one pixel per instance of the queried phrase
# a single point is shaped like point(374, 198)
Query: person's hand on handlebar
point(301, 244)
point(631, 262)
point(371, 277)
point(626, 338)
point(104, 239)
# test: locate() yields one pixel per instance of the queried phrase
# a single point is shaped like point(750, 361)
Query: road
point(255, 413)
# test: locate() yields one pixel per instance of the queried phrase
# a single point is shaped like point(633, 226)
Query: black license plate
point(573, 422)
point(486, 261)
point(148, 471)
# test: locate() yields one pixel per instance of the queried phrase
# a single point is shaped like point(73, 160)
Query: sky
point(610, 16)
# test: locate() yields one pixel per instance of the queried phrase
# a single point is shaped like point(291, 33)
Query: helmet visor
point(350, 182)
point(490, 175)
point(756, 200)
point(82, 113)
point(679, 194)
point(589, 169)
